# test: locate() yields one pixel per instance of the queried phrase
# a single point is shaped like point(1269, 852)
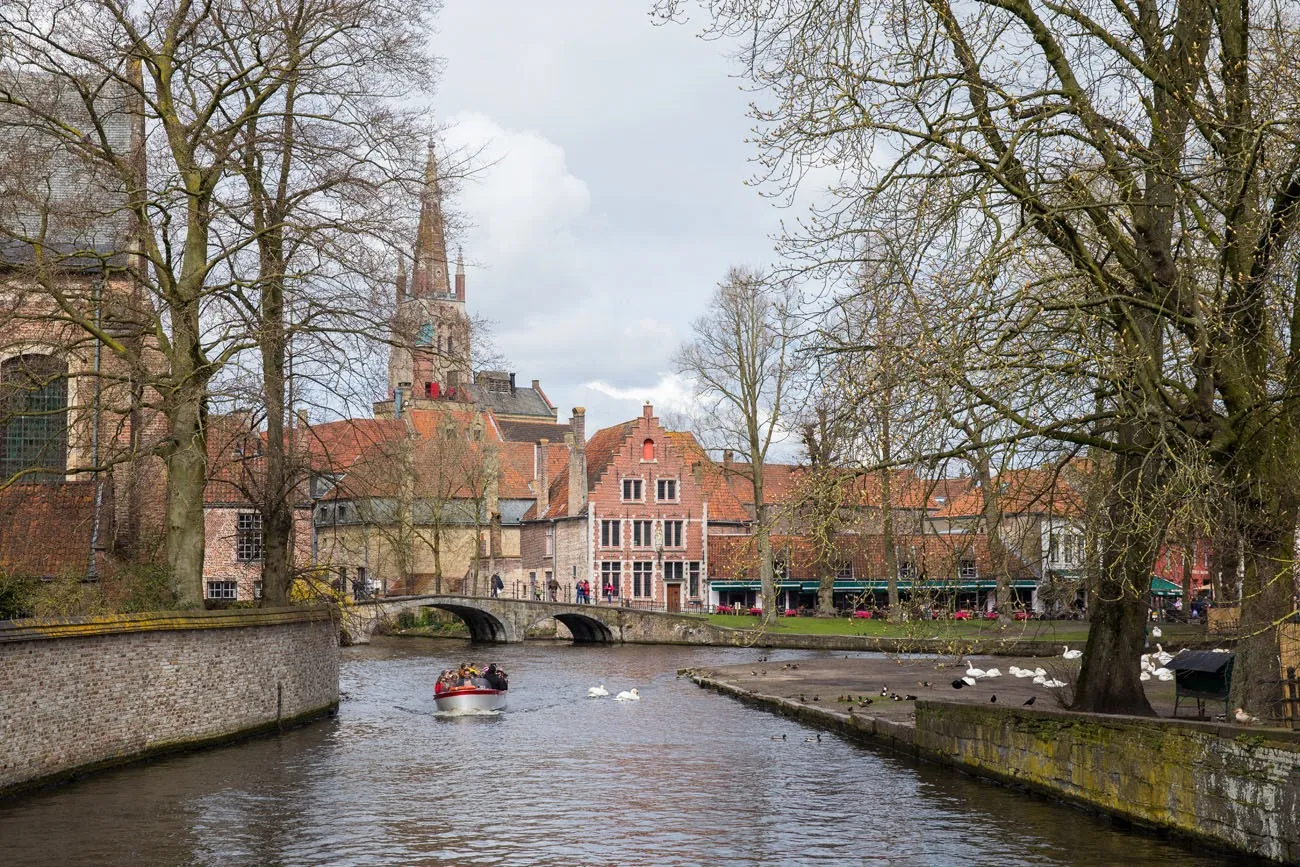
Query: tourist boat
point(468, 699)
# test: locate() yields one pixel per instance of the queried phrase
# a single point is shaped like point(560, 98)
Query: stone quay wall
point(1231, 786)
point(77, 694)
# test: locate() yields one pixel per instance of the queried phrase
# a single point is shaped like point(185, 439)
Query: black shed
point(1203, 675)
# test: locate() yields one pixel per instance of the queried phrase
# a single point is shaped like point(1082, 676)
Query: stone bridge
point(505, 621)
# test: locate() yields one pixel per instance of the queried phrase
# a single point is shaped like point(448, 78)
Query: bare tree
point(743, 361)
point(1135, 166)
point(224, 91)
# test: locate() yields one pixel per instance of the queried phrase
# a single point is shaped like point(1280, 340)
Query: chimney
point(648, 411)
point(460, 274)
point(726, 458)
point(512, 383)
point(542, 477)
point(304, 419)
point(577, 465)
point(579, 424)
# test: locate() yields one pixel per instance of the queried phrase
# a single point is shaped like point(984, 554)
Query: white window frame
point(611, 534)
point(636, 484)
point(659, 486)
point(225, 590)
point(680, 541)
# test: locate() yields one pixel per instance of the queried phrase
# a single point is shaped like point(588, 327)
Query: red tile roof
point(46, 528)
point(1037, 491)
point(935, 556)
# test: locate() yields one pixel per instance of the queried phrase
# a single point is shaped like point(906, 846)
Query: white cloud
point(671, 393)
point(522, 206)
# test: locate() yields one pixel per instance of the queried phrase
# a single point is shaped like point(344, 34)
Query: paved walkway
point(820, 684)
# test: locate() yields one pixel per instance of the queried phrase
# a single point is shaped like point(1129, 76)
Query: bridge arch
point(584, 629)
point(483, 626)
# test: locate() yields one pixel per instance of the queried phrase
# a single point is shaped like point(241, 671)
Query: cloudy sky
point(615, 195)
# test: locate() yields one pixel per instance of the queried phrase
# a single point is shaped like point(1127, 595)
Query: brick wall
point(79, 693)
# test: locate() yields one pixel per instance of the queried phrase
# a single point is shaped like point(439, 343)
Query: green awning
point(876, 586)
point(1164, 587)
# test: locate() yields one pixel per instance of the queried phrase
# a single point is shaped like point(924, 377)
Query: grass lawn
point(1064, 631)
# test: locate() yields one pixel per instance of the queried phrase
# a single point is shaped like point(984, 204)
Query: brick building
point(77, 417)
point(632, 512)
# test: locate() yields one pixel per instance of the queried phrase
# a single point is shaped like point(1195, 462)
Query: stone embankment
point(78, 694)
point(1233, 787)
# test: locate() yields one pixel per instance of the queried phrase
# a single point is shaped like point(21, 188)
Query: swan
point(1071, 654)
point(597, 691)
point(1040, 672)
point(1167, 674)
point(1155, 632)
point(976, 673)
point(1146, 675)
point(1054, 684)
point(968, 680)
point(1040, 678)
point(628, 695)
point(992, 672)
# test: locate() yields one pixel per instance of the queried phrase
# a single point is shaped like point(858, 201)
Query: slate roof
point(55, 178)
point(532, 431)
point(525, 401)
point(46, 528)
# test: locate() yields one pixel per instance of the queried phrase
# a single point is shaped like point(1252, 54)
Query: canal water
point(682, 777)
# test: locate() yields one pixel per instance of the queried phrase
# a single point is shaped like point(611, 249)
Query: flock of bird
point(626, 695)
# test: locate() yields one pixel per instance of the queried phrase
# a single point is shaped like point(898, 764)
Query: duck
point(628, 695)
point(597, 691)
point(1071, 654)
point(1244, 718)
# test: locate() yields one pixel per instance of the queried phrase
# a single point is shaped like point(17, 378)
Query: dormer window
point(648, 450)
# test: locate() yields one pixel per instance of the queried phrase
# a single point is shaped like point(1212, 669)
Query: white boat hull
point(475, 700)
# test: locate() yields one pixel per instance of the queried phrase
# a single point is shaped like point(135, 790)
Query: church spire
point(430, 274)
point(460, 274)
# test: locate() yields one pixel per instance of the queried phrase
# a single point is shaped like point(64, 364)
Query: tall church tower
point(431, 332)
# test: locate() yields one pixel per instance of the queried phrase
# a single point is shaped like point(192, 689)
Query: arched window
point(34, 417)
point(648, 450)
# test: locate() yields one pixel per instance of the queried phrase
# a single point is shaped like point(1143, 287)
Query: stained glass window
point(34, 417)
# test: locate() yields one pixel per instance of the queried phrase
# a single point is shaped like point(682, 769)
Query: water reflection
point(683, 777)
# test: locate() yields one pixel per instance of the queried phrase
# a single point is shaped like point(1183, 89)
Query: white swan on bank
point(628, 695)
point(977, 673)
point(992, 672)
point(1055, 684)
point(597, 691)
point(1071, 654)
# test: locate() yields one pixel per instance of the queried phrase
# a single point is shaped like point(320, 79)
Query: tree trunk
point(767, 584)
point(1266, 597)
point(1109, 679)
point(891, 554)
point(277, 508)
point(187, 463)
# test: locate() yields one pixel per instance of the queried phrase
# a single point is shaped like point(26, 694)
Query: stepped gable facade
point(631, 512)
